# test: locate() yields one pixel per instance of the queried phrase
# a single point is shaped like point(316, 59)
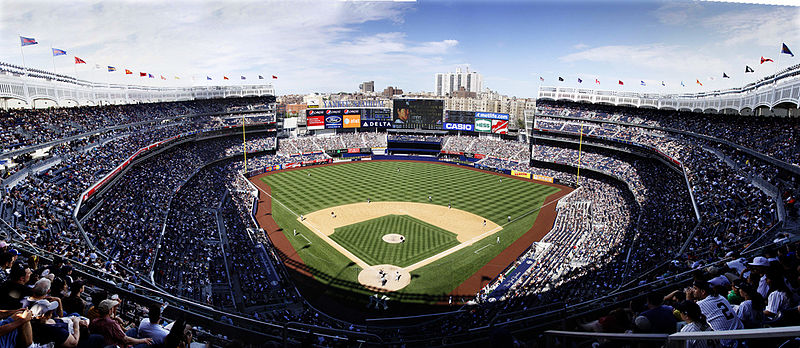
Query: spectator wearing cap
point(751, 310)
point(110, 329)
point(695, 322)
point(151, 326)
point(15, 328)
point(715, 308)
point(14, 289)
point(74, 303)
point(779, 298)
point(759, 267)
point(62, 333)
point(94, 310)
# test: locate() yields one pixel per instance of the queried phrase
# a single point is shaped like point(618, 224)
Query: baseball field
point(400, 227)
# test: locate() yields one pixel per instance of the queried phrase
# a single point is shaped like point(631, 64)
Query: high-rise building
point(367, 87)
point(447, 83)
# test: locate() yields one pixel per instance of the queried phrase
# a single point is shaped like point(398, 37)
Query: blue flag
point(643, 83)
point(579, 80)
point(27, 41)
point(57, 52)
point(208, 78)
point(682, 84)
point(785, 49)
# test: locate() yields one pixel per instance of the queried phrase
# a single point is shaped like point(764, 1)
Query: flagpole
point(775, 77)
point(21, 51)
point(54, 59)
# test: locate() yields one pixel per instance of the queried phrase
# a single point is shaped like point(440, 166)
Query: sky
point(332, 46)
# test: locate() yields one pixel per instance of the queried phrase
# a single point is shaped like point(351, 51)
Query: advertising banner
point(352, 121)
point(459, 126)
point(377, 114)
point(354, 150)
point(521, 174)
point(478, 156)
point(333, 118)
point(352, 111)
point(542, 178)
point(315, 122)
point(492, 115)
point(315, 112)
point(376, 123)
point(483, 125)
point(499, 127)
point(457, 116)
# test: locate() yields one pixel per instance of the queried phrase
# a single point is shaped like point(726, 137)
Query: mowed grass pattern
point(481, 193)
point(422, 240)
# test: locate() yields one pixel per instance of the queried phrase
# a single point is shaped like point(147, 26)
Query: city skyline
point(328, 47)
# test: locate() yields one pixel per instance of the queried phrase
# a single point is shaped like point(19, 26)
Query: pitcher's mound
point(393, 238)
point(371, 278)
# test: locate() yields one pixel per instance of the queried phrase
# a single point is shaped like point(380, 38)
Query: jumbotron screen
point(418, 113)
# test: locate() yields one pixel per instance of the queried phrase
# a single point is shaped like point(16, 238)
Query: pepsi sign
point(375, 123)
point(458, 126)
point(316, 112)
point(330, 112)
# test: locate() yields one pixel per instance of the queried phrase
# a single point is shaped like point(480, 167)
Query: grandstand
point(614, 218)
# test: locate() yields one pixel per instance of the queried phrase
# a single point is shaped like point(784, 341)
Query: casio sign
point(458, 126)
point(333, 119)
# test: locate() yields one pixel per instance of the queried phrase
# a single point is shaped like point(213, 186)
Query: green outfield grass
point(482, 193)
point(365, 240)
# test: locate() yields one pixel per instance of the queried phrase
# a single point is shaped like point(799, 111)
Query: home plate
point(371, 278)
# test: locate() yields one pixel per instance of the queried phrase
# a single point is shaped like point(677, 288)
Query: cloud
point(677, 13)
point(298, 40)
point(760, 26)
point(580, 46)
point(659, 57)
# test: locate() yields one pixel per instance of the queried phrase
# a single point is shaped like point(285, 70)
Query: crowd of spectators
point(26, 127)
point(43, 305)
point(414, 138)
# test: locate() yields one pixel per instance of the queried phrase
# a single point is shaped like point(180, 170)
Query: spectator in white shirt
point(150, 327)
point(778, 300)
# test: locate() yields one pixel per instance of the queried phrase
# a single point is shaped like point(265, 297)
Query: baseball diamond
point(445, 213)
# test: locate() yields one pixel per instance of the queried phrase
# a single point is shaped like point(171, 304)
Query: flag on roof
point(579, 80)
point(163, 78)
point(643, 84)
point(79, 61)
point(208, 78)
point(141, 74)
point(225, 78)
point(27, 41)
point(243, 78)
point(274, 77)
point(662, 83)
point(111, 68)
point(97, 66)
point(560, 79)
point(597, 81)
point(260, 77)
point(698, 82)
point(177, 78)
point(748, 69)
point(150, 76)
point(725, 76)
point(682, 84)
point(128, 72)
point(57, 52)
point(766, 60)
point(620, 82)
point(785, 49)
point(541, 78)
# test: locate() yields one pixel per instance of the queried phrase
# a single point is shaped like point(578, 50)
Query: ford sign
point(333, 119)
point(458, 126)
